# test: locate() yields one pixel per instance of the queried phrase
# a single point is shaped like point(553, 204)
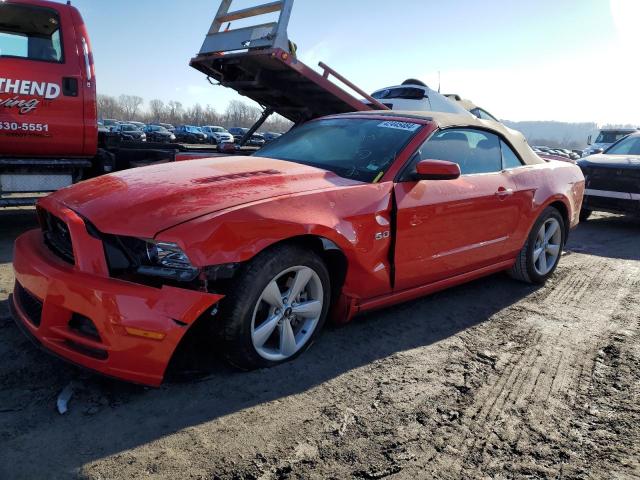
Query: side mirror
point(589, 140)
point(437, 170)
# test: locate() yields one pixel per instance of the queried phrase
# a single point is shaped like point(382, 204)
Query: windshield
point(611, 136)
point(408, 93)
point(361, 149)
point(30, 32)
point(628, 146)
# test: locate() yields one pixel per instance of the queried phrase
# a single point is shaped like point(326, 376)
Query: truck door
point(41, 87)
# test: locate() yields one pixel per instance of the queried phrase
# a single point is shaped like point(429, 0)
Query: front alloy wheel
point(287, 313)
point(275, 307)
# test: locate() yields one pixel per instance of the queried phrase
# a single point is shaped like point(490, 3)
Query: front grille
point(613, 179)
point(30, 305)
point(56, 235)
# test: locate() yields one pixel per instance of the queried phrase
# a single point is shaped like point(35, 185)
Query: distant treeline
point(237, 113)
point(240, 114)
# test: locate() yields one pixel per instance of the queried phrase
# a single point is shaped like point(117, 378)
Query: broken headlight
point(151, 258)
point(166, 260)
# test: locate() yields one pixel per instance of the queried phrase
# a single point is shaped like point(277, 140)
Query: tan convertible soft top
point(446, 120)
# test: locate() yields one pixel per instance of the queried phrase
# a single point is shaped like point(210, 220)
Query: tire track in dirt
point(551, 363)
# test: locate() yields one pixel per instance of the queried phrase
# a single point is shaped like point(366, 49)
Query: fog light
point(84, 326)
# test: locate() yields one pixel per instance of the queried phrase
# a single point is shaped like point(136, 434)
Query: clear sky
point(565, 60)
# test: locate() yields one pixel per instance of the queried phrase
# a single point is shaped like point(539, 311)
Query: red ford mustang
point(341, 215)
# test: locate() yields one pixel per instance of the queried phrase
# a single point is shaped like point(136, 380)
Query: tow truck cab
point(47, 82)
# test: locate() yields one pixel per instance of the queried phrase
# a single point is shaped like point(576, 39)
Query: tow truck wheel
point(276, 308)
point(540, 255)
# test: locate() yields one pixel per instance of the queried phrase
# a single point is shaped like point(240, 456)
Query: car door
point(448, 227)
point(41, 99)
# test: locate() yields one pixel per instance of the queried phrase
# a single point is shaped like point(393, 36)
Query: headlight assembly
point(152, 258)
point(167, 260)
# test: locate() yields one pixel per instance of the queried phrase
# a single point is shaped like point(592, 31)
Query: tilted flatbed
point(260, 62)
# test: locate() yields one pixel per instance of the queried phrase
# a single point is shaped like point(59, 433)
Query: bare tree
point(237, 113)
point(130, 105)
point(157, 110)
point(174, 112)
point(108, 107)
point(240, 114)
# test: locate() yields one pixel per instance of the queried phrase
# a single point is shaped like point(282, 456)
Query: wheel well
point(334, 258)
point(562, 208)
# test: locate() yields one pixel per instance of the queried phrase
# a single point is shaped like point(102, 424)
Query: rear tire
point(262, 326)
point(541, 253)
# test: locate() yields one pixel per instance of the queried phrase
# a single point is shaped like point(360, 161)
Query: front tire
point(541, 253)
point(276, 308)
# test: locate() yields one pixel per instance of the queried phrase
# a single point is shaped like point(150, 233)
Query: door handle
point(503, 193)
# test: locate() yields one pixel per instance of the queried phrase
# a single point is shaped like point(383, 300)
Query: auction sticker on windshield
point(411, 127)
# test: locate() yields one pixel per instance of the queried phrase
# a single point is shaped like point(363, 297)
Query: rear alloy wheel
point(541, 253)
point(275, 307)
point(547, 247)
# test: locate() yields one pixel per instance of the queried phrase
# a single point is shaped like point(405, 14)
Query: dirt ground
point(494, 379)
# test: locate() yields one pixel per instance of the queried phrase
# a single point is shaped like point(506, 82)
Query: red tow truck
point(49, 136)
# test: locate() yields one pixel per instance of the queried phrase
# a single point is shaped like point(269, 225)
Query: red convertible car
point(341, 215)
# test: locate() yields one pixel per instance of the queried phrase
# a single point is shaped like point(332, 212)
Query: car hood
point(143, 201)
point(611, 161)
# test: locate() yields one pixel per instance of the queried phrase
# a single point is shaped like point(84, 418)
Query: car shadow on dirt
point(606, 235)
point(108, 416)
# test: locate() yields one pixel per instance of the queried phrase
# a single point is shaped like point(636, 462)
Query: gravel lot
point(494, 379)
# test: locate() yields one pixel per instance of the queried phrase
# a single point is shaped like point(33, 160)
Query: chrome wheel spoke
point(542, 263)
point(264, 331)
point(536, 254)
point(287, 339)
point(272, 295)
point(550, 230)
point(308, 309)
point(553, 250)
point(300, 281)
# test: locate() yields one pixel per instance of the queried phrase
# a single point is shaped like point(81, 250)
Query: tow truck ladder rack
point(260, 62)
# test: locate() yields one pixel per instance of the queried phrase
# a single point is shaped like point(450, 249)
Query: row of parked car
point(557, 153)
point(167, 133)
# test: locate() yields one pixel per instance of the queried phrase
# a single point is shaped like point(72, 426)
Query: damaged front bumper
point(76, 311)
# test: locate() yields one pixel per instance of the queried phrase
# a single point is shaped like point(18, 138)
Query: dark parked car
point(256, 140)
point(140, 125)
point(270, 136)
point(613, 179)
point(167, 126)
point(156, 133)
point(189, 134)
point(129, 132)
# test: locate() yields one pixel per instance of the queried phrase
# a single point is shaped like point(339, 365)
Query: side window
point(476, 151)
point(31, 33)
point(509, 158)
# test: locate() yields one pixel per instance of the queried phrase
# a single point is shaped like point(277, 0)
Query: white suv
point(413, 95)
point(219, 134)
